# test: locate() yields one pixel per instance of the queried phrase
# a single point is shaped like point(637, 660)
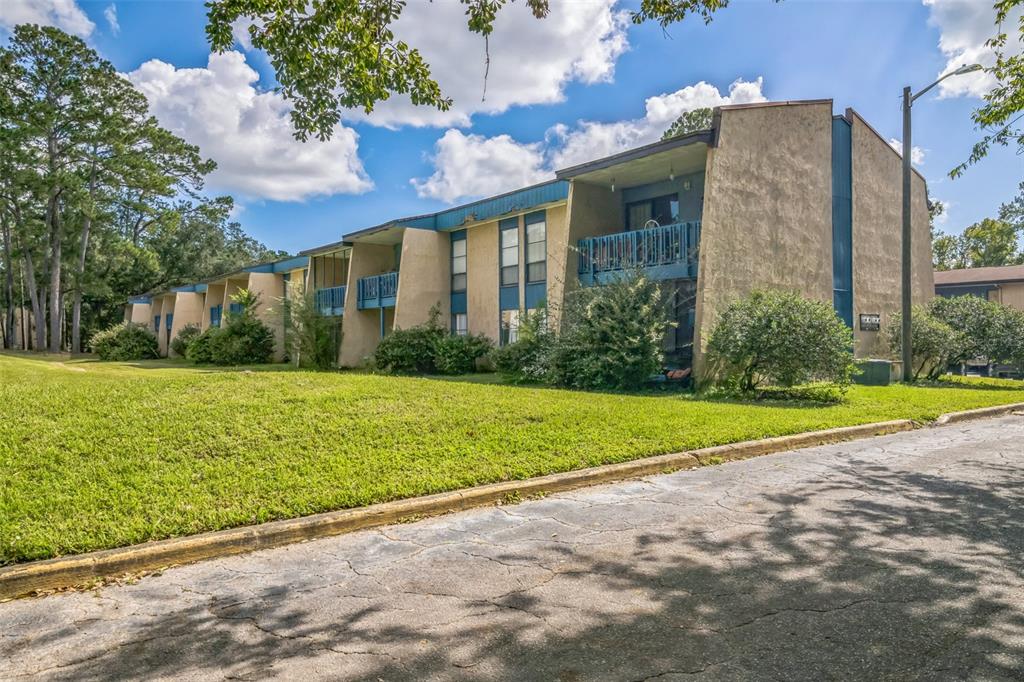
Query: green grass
point(96, 455)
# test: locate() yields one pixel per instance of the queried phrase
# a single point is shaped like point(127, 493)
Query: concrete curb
point(980, 413)
point(62, 572)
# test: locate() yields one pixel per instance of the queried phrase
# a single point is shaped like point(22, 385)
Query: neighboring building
point(1001, 284)
point(778, 195)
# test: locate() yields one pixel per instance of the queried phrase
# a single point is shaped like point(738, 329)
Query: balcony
point(377, 291)
point(331, 301)
point(662, 252)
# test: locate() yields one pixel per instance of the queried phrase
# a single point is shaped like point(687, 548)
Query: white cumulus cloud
point(916, 153)
point(964, 26)
point(474, 165)
point(531, 60)
point(469, 166)
point(248, 132)
point(590, 140)
point(64, 14)
point(110, 14)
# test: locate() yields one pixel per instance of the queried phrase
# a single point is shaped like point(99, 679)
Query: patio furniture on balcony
point(377, 291)
point(660, 252)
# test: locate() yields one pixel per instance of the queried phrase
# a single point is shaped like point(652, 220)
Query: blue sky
point(555, 93)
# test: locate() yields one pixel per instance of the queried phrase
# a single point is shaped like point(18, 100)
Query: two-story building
point(777, 195)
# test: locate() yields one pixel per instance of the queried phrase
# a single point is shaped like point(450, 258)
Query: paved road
point(892, 558)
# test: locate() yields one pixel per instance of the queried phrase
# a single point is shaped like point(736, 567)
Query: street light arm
point(956, 72)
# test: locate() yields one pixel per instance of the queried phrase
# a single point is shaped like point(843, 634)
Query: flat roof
point(992, 275)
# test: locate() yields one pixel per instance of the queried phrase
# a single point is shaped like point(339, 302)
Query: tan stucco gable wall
point(214, 297)
point(767, 219)
point(166, 306)
point(139, 313)
point(877, 229)
point(590, 211)
point(424, 279)
point(482, 279)
point(188, 309)
point(270, 289)
point(361, 328)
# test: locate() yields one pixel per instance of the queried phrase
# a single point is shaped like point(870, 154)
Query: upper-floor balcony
point(331, 300)
point(377, 291)
point(659, 252)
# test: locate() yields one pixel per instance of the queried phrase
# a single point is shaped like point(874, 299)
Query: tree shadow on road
point(867, 574)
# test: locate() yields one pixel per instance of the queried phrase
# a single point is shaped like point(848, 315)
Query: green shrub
point(412, 350)
point(528, 359)
point(244, 339)
point(125, 341)
point(935, 345)
point(612, 335)
point(459, 354)
point(780, 338)
point(180, 343)
point(310, 337)
point(200, 348)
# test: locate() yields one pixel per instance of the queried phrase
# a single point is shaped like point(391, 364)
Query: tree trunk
point(83, 248)
point(35, 297)
point(8, 321)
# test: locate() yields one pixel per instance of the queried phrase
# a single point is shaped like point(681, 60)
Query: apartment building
point(777, 195)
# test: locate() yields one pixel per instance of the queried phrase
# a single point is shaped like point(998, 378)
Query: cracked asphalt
point(891, 558)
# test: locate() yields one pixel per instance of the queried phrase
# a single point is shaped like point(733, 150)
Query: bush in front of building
point(611, 338)
point(528, 359)
point(244, 339)
point(454, 354)
point(779, 338)
point(310, 337)
point(935, 345)
point(612, 335)
point(180, 343)
point(411, 350)
point(200, 348)
point(125, 341)
point(977, 320)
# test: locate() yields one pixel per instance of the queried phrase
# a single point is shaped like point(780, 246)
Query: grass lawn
point(96, 455)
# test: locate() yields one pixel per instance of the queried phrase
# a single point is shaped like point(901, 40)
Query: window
point(536, 250)
point(460, 324)
point(459, 264)
point(510, 254)
point(663, 209)
point(509, 326)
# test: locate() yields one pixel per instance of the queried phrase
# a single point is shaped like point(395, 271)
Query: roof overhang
point(647, 164)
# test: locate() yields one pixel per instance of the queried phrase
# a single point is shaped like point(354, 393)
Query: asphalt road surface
point(891, 558)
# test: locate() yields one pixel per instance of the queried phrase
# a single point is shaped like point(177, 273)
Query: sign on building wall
point(870, 322)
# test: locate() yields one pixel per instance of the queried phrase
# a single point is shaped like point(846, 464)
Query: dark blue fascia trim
point(140, 300)
point(458, 235)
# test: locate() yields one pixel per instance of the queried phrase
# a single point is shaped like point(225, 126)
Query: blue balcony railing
point(236, 308)
point(664, 252)
point(331, 301)
point(216, 314)
point(377, 291)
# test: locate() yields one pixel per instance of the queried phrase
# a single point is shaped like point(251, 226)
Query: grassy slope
point(96, 455)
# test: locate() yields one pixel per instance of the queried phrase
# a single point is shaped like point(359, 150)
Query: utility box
point(878, 372)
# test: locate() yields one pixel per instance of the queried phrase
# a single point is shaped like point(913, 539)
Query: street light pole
point(908, 372)
point(906, 272)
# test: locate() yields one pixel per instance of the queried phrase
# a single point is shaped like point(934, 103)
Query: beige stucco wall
point(361, 328)
point(270, 289)
point(767, 219)
point(166, 306)
point(188, 309)
point(1011, 294)
point(139, 313)
point(232, 287)
point(214, 296)
point(877, 229)
point(424, 279)
point(482, 279)
point(591, 210)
